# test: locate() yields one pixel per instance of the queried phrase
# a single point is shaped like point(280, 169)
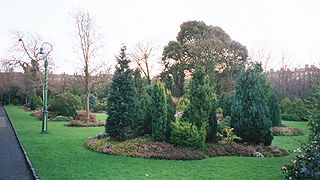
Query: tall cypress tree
point(274, 109)
point(225, 102)
point(171, 111)
point(123, 117)
point(198, 109)
point(158, 110)
point(249, 112)
point(213, 125)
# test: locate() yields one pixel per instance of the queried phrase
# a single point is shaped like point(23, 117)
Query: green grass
point(62, 155)
point(101, 116)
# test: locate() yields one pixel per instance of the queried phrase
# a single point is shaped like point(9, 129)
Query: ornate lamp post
point(45, 49)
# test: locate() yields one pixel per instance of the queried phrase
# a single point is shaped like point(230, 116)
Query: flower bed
point(145, 148)
point(76, 123)
point(286, 131)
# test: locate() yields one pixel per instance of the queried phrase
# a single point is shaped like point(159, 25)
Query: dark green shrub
point(65, 104)
point(185, 134)
point(159, 112)
point(250, 115)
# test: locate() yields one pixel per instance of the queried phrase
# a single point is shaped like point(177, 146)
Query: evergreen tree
point(225, 102)
point(159, 114)
point(198, 109)
point(122, 103)
point(249, 112)
point(213, 124)
point(274, 109)
point(171, 111)
point(143, 100)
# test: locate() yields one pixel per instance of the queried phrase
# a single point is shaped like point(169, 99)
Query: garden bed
point(286, 130)
point(77, 123)
point(145, 148)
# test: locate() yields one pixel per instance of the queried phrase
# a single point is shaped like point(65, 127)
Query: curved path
point(13, 164)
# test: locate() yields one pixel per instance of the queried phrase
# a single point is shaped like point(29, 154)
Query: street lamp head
point(41, 51)
point(20, 39)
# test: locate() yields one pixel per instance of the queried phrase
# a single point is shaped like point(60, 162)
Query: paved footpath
point(13, 164)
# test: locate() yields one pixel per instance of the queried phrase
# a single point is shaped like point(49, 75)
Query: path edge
point(26, 157)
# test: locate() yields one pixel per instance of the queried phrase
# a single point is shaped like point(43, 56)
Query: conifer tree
point(198, 109)
point(274, 109)
point(171, 111)
point(213, 124)
point(158, 110)
point(249, 112)
point(225, 103)
point(122, 102)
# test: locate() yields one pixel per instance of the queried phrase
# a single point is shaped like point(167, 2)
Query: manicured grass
point(62, 155)
point(101, 116)
point(299, 124)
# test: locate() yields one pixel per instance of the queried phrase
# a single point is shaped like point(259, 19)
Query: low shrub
point(81, 115)
point(224, 123)
point(185, 134)
point(37, 113)
point(286, 131)
point(145, 148)
point(307, 164)
point(76, 123)
point(61, 118)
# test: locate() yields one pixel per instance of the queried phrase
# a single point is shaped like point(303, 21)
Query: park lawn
point(60, 154)
point(101, 116)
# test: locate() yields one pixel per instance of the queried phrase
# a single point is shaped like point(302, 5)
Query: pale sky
point(290, 26)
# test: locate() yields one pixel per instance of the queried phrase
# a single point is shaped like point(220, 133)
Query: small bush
point(35, 101)
point(37, 113)
point(65, 104)
point(185, 134)
point(81, 115)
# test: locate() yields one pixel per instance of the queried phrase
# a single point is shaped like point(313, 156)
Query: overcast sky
point(290, 26)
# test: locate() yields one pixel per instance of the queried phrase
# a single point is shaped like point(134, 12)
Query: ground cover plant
point(60, 154)
point(146, 148)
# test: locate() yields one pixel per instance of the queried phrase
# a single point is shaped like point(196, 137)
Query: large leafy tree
point(205, 46)
point(124, 120)
point(249, 112)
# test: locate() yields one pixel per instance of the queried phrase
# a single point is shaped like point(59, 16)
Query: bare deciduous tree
point(263, 56)
point(142, 54)
point(88, 42)
point(25, 51)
